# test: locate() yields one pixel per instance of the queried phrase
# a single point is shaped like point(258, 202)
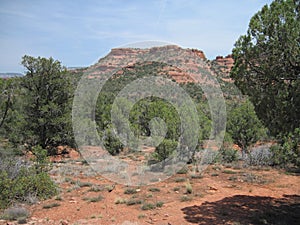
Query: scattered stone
point(64, 222)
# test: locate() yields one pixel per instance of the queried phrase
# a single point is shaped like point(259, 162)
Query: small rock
point(73, 201)
point(64, 222)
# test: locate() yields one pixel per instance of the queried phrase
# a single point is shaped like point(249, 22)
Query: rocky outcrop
point(183, 65)
point(226, 63)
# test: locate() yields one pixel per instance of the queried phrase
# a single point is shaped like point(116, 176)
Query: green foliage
point(51, 205)
point(111, 142)
point(130, 191)
point(154, 189)
point(165, 149)
point(228, 155)
point(6, 99)
point(288, 152)
point(267, 65)
point(244, 126)
point(148, 206)
point(21, 180)
point(47, 109)
point(15, 213)
point(11, 110)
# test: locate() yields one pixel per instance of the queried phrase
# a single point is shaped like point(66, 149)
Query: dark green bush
point(165, 149)
point(288, 152)
point(228, 155)
point(20, 180)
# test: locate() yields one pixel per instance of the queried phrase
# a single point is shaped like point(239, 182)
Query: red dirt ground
point(232, 195)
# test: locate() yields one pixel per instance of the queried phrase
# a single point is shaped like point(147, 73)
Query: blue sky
point(78, 33)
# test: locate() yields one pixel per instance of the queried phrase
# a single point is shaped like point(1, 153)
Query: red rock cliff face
point(131, 56)
point(183, 65)
point(226, 63)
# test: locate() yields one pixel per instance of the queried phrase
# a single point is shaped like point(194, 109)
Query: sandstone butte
point(127, 57)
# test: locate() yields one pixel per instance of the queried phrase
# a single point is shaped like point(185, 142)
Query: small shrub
point(287, 152)
point(233, 178)
point(130, 191)
point(120, 201)
point(228, 155)
point(141, 216)
point(149, 195)
point(22, 220)
point(58, 198)
point(165, 149)
point(159, 204)
point(148, 206)
point(134, 202)
point(20, 180)
point(183, 170)
point(84, 184)
point(176, 188)
point(15, 213)
point(260, 156)
point(51, 205)
point(196, 176)
point(95, 188)
point(185, 198)
point(229, 172)
point(154, 189)
point(189, 188)
point(94, 199)
point(179, 179)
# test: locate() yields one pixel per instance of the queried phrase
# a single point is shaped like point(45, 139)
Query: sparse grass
point(214, 174)
point(134, 202)
point(141, 216)
point(176, 188)
point(200, 195)
point(58, 198)
point(84, 184)
point(183, 170)
point(15, 213)
point(196, 176)
point(233, 178)
point(109, 187)
point(252, 178)
point(229, 172)
point(149, 195)
point(159, 204)
point(120, 201)
point(185, 198)
point(189, 188)
point(51, 205)
point(154, 189)
point(130, 191)
point(93, 199)
point(180, 179)
point(95, 188)
point(148, 206)
point(154, 180)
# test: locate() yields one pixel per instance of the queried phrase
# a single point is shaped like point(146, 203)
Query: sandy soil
point(220, 195)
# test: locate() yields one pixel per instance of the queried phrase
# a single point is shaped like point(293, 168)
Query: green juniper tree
point(48, 108)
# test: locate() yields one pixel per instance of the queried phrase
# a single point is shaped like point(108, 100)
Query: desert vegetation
point(262, 133)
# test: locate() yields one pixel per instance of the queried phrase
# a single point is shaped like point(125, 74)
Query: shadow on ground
point(244, 209)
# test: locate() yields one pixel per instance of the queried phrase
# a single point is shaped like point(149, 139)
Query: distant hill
point(10, 75)
point(182, 65)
